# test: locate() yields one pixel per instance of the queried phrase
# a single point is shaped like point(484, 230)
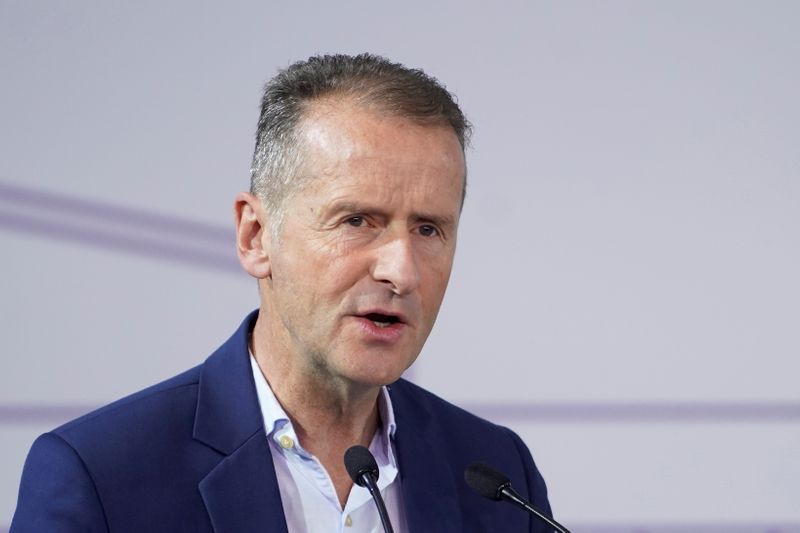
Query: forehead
point(355, 161)
point(339, 137)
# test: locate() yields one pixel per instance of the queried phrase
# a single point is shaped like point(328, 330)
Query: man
point(350, 228)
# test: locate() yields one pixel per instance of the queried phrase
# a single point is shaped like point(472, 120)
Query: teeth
point(381, 324)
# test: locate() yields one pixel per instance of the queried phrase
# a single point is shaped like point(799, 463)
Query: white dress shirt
point(310, 503)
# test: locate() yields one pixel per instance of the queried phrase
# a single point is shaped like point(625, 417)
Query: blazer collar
point(241, 493)
point(227, 406)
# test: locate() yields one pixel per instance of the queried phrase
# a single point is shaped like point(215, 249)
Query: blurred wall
point(626, 290)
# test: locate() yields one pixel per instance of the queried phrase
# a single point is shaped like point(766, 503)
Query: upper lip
point(378, 311)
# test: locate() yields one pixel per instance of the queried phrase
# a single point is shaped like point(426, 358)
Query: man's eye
point(427, 230)
point(356, 221)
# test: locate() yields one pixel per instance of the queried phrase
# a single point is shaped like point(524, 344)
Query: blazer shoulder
point(150, 398)
point(56, 492)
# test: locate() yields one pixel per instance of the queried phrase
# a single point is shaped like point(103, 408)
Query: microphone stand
point(510, 495)
point(369, 482)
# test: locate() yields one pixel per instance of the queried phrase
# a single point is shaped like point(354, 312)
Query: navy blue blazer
point(190, 454)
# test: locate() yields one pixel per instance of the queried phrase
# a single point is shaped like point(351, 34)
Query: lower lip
point(390, 333)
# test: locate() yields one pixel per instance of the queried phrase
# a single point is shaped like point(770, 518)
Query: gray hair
point(366, 79)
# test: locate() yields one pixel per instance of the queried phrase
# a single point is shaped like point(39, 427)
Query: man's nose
point(396, 265)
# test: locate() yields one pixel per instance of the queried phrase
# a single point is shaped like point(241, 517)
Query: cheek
point(331, 277)
point(434, 287)
point(440, 272)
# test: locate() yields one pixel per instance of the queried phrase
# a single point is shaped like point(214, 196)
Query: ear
point(253, 237)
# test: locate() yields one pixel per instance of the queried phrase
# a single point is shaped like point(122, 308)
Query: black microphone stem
point(363, 470)
point(511, 495)
point(372, 487)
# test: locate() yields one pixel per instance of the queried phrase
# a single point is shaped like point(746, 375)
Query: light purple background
point(626, 291)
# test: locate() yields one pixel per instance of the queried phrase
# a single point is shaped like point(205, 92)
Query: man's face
point(366, 246)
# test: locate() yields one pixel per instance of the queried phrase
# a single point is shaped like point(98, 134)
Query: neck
point(313, 399)
point(328, 415)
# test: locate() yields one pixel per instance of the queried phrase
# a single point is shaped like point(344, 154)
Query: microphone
point(363, 470)
point(491, 484)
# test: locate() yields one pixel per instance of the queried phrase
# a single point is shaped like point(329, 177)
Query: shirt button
point(286, 442)
point(348, 522)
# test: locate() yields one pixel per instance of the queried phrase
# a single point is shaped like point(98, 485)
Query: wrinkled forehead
point(335, 130)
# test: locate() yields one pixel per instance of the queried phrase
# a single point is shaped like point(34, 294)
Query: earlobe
point(252, 235)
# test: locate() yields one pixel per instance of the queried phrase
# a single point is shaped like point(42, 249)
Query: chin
point(375, 377)
point(375, 368)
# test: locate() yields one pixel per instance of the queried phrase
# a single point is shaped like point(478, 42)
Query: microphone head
point(485, 480)
point(358, 461)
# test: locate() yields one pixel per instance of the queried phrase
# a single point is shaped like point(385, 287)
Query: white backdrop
point(625, 294)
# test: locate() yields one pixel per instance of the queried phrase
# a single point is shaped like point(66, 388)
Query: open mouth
point(381, 320)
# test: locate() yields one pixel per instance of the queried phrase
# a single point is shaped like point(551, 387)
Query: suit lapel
point(429, 491)
point(241, 493)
